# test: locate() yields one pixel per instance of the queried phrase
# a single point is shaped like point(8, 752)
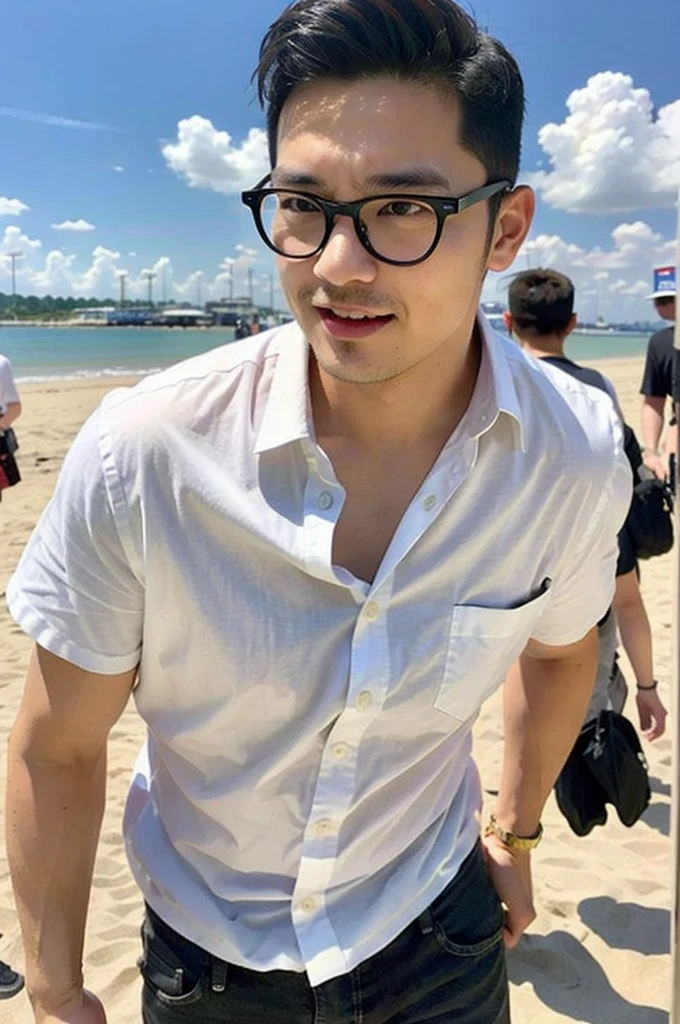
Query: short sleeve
point(626, 561)
point(74, 591)
point(8, 389)
point(654, 379)
point(583, 590)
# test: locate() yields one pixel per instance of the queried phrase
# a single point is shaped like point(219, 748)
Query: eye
point(298, 204)
point(403, 208)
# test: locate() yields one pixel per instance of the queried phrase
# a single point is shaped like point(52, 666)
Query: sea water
point(54, 353)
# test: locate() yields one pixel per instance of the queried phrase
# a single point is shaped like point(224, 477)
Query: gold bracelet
point(509, 839)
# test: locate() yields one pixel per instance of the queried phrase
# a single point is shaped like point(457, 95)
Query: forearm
point(636, 636)
point(544, 705)
point(54, 814)
point(652, 425)
point(11, 413)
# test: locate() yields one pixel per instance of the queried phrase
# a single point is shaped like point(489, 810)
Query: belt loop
point(425, 922)
point(218, 975)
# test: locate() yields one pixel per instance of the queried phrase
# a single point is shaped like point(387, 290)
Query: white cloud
point(56, 277)
point(612, 281)
point(11, 207)
point(613, 152)
point(14, 240)
point(190, 286)
point(101, 278)
point(118, 168)
point(74, 225)
point(207, 158)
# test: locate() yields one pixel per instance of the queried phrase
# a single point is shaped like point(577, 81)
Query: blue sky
point(116, 80)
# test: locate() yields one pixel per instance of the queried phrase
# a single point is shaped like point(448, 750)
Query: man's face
point(665, 307)
point(339, 136)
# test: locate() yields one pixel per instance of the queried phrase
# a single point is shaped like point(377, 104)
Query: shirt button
point(308, 905)
point(430, 502)
point(325, 501)
point(340, 751)
point(324, 828)
point(372, 611)
point(365, 700)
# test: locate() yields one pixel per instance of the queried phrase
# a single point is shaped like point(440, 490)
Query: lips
point(352, 324)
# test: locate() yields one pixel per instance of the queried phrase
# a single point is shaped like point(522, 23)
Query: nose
point(344, 259)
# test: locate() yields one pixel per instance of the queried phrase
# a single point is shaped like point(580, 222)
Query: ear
point(512, 227)
point(509, 322)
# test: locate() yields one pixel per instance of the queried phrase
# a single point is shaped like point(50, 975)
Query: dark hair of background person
point(431, 42)
point(541, 301)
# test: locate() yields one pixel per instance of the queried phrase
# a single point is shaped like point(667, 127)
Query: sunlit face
point(345, 141)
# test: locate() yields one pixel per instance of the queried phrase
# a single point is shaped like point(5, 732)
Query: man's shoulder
point(661, 341)
point(197, 385)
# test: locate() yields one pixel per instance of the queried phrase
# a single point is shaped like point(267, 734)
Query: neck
point(545, 345)
point(425, 403)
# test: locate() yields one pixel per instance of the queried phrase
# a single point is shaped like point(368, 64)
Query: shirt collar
point(287, 416)
point(495, 392)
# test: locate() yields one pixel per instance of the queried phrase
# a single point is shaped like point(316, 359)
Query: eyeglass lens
point(397, 229)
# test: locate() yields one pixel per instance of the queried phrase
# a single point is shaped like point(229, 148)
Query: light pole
point(150, 276)
point(14, 256)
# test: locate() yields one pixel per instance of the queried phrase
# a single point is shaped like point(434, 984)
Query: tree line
point(49, 307)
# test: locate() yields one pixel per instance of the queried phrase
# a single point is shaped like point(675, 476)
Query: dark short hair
point(432, 42)
point(541, 301)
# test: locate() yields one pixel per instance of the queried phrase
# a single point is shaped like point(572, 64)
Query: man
point(315, 554)
point(541, 315)
point(657, 381)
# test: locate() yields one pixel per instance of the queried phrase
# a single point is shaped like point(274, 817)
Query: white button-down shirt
point(307, 787)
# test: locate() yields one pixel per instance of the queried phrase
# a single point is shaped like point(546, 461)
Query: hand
point(86, 1010)
point(510, 872)
point(652, 714)
point(656, 463)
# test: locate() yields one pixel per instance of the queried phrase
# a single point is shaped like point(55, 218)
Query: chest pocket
point(483, 644)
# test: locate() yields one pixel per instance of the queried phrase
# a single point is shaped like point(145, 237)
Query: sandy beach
point(598, 951)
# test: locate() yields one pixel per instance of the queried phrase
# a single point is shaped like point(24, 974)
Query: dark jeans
point(448, 965)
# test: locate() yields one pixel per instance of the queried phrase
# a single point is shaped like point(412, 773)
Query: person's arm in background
point(652, 429)
point(55, 801)
point(636, 637)
point(12, 412)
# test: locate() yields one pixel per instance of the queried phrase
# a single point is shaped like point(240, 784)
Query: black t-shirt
point(657, 380)
point(626, 560)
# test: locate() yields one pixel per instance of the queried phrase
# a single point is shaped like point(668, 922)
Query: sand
point(598, 951)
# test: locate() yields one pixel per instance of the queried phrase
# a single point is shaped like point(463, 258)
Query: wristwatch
point(509, 839)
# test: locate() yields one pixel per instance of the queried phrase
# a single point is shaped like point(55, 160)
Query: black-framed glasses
point(400, 229)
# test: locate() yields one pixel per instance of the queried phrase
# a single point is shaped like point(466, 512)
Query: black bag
point(9, 471)
point(650, 519)
point(606, 765)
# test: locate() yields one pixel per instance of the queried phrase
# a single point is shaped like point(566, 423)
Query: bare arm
point(12, 412)
point(652, 428)
point(55, 802)
point(545, 699)
point(636, 636)
point(546, 696)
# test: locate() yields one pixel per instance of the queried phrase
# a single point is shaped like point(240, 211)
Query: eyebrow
point(413, 177)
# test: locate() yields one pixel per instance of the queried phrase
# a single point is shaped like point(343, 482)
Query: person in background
point(10, 403)
point(541, 315)
point(657, 380)
point(311, 557)
point(10, 410)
